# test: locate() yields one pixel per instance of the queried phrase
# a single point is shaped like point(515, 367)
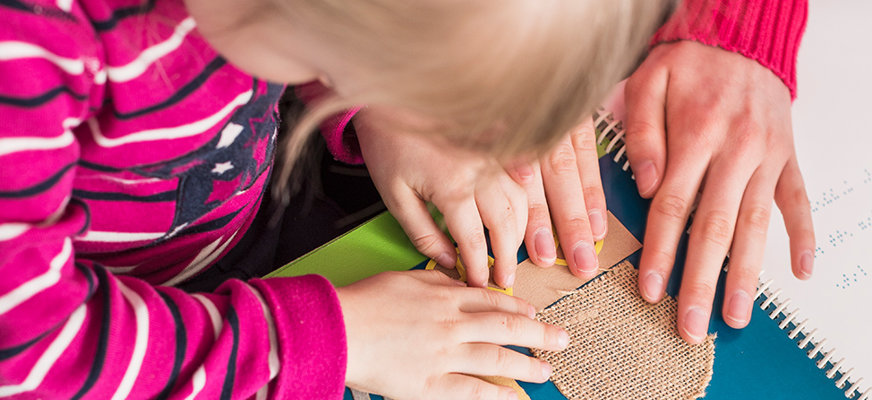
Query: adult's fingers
point(491, 360)
point(583, 139)
point(412, 214)
point(645, 95)
point(792, 200)
point(667, 219)
point(746, 254)
point(538, 235)
point(710, 239)
point(569, 212)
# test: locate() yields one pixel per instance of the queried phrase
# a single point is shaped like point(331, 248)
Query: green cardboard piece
point(377, 245)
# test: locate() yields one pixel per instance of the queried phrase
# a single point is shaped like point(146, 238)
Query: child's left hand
point(468, 188)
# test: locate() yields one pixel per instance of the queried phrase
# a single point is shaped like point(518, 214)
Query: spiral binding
point(807, 340)
point(611, 129)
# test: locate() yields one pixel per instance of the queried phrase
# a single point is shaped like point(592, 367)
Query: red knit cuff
point(311, 335)
point(344, 146)
point(768, 31)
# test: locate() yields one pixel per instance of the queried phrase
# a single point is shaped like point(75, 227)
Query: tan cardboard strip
point(499, 380)
point(543, 286)
point(621, 347)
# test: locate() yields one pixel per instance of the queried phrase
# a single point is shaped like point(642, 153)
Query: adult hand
point(710, 125)
point(564, 186)
point(469, 188)
point(427, 334)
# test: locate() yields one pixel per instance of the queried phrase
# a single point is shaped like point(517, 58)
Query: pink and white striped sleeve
point(69, 328)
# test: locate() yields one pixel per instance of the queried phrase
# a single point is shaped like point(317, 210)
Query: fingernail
point(806, 264)
point(525, 171)
point(446, 260)
point(695, 324)
point(646, 177)
point(510, 280)
point(511, 395)
point(546, 370)
point(652, 287)
point(585, 257)
point(597, 224)
point(531, 312)
point(562, 339)
point(544, 242)
point(737, 310)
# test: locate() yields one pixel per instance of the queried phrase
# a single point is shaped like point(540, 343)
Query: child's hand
point(420, 335)
point(705, 120)
point(565, 187)
point(468, 188)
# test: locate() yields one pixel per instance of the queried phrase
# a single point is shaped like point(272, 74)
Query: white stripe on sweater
point(198, 380)
point(202, 260)
point(12, 230)
point(273, 357)
point(140, 342)
point(176, 132)
point(39, 283)
point(34, 143)
point(14, 50)
point(50, 356)
point(135, 68)
point(119, 237)
point(65, 5)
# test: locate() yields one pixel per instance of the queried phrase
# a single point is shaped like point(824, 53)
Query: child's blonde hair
point(509, 77)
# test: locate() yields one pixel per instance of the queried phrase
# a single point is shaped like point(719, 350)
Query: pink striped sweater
point(132, 156)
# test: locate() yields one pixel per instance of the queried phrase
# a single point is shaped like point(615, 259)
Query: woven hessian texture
point(621, 347)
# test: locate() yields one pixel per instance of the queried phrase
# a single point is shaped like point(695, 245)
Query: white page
point(832, 121)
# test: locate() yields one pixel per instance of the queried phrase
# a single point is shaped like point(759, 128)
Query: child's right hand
point(421, 335)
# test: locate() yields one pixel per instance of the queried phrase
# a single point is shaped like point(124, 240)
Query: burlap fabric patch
point(621, 347)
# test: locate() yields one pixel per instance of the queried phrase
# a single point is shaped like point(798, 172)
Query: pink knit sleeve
point(342, 145)
point(768, 31)
point(71, 328)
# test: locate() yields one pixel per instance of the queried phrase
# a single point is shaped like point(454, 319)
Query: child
point(136, 145)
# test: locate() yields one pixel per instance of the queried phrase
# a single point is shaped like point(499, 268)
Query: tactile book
point(760, 361)
point(806, 339)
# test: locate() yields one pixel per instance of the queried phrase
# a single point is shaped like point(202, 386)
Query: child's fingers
point(464, 223)
point(475, 300)
point(568, 210)
point(512, 329)
point(434, 277)
point(583, 140)
point(792, 200)
point(460, 386)
point(491, 360)
point(538, 235)
point(746, 254)
point(412, 214)
point(645, 95)
point(503, 210)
